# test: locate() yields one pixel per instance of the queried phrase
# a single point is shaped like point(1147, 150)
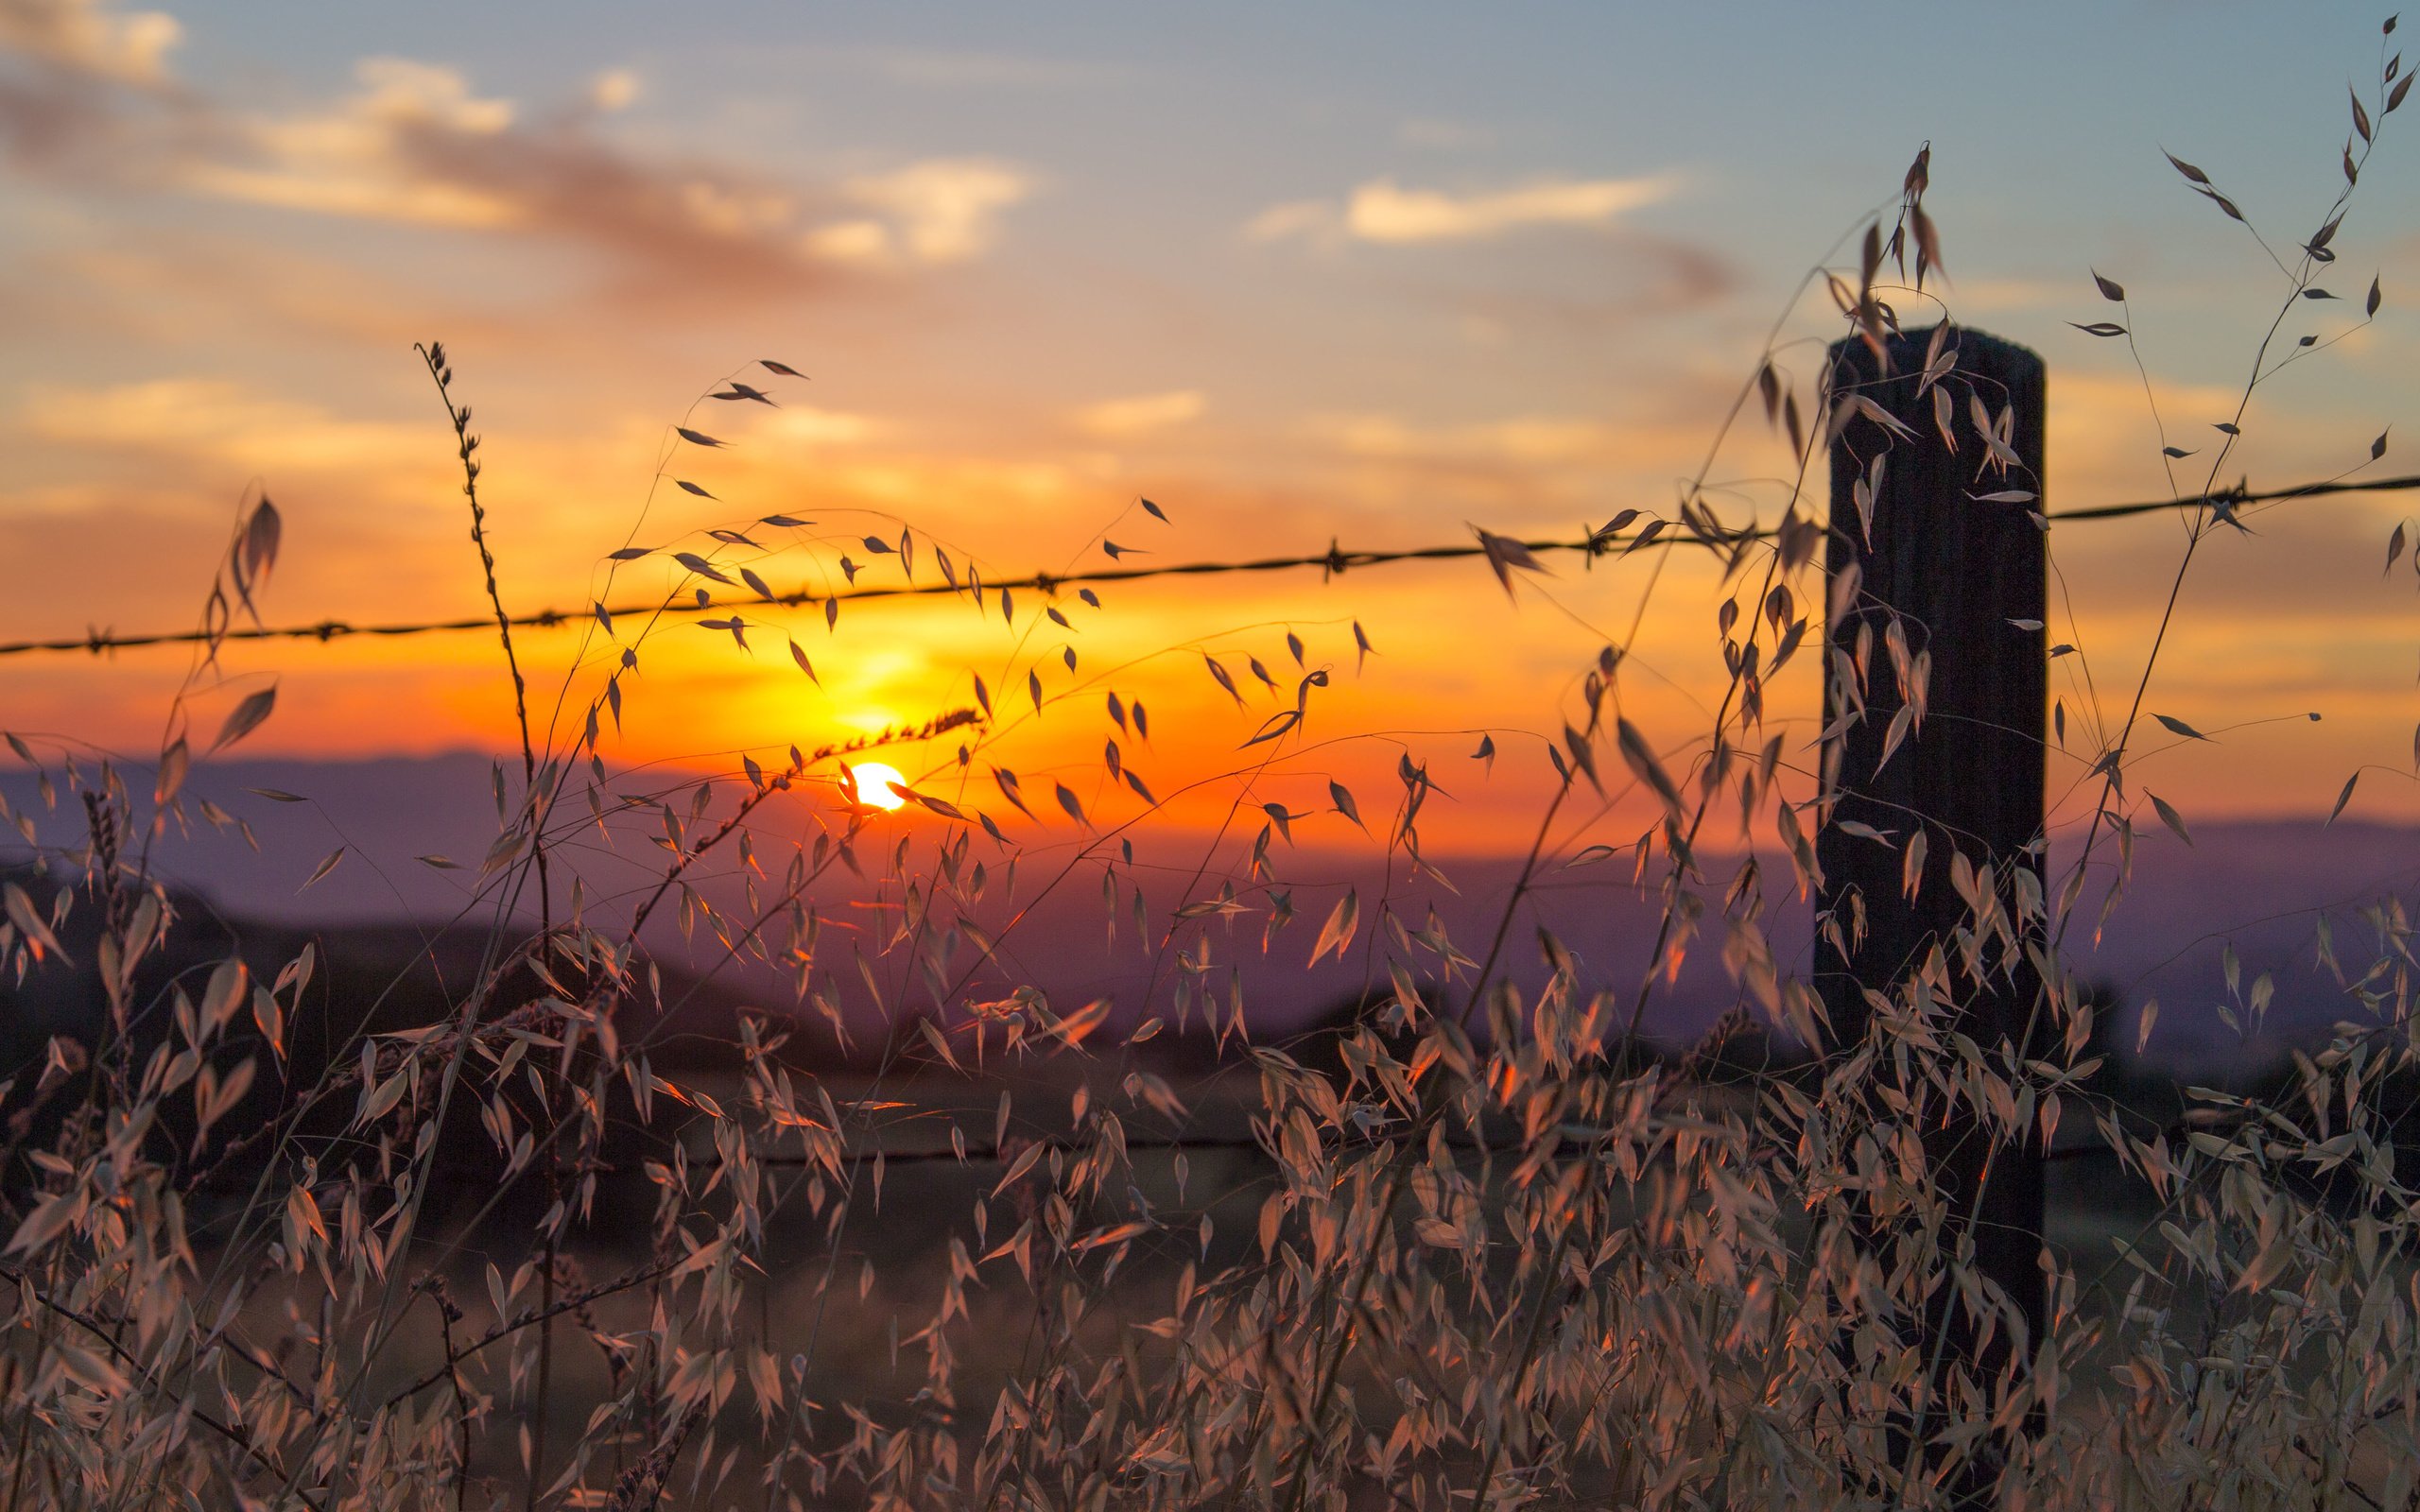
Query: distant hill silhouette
point(2259, 883)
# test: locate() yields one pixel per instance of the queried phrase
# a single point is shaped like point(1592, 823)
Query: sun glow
point(879, 786)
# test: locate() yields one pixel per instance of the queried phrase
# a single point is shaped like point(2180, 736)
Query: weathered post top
point(1946, 624)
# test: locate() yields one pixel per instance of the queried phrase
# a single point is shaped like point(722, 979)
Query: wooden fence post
point(1963, 581)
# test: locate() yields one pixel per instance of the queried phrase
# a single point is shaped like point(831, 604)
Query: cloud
point(205, 288)
point(614, 89)
point(1314, 218)
point(1649, 277)
point(1142, 413)
point(224, 421)
point(2104, 443)
point(358, 159)
point(1539, 468)
point(415, 143)
point(804, 425)
point(942, 210)
point(1384, 212)
point(84, 37)
point(1380, 212)
point(863, 242)
point(1529, 440)
point(86, 77)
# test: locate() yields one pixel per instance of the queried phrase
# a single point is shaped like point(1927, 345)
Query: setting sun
point(879, 786)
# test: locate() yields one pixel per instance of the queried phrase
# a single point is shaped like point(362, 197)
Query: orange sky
point(1507, 316)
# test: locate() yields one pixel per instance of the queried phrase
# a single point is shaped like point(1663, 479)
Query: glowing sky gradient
point(1372, 273)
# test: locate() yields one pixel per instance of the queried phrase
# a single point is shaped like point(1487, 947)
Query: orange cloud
point(221, 419)
point(1116, 419)
point(86, 37)
point(1383, 211)
point(940, 211)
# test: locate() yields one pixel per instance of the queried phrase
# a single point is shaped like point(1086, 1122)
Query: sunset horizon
point(1415, 324)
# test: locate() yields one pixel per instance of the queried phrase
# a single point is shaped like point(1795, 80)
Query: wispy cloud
point(614, 90)
point(88, 81)
point(1643, 276)
point(1314, 218)
point(939, 210)
point(1381, 211)
point(366, 155)
point(416, 143)
point(1141, 413)
point(805, 425)
point(1535, 440)
point(86, 37)
point(222, 420)
point(1384, 212)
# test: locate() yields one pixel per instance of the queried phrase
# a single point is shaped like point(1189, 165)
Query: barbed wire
point(1330, 562)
